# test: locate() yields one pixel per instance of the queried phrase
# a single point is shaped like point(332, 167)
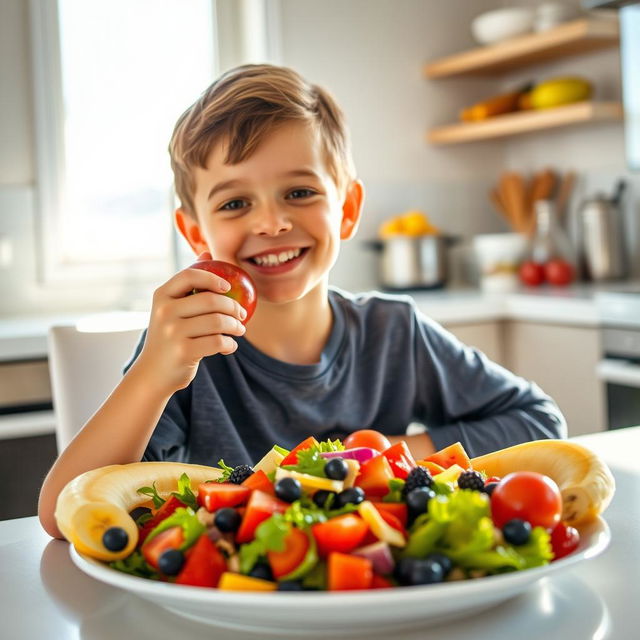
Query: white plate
point(351, 612)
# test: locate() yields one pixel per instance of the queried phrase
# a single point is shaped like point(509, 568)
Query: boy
point(265, 179)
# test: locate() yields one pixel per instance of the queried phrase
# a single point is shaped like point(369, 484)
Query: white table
point(43, 595)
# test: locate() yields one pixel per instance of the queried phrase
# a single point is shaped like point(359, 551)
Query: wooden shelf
point(570, 38)
point(525, 121)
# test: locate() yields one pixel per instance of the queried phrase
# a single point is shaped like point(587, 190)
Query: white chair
point(85, 366)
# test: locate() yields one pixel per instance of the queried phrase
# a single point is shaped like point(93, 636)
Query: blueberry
point(321, 496)
point(444, 561)
point(426, 572)
point(402, 570)
point(261, 570)
point(354, 495)
point(171, 561)
point(115, 539)
point(336, 469)
point(288, 489)
point(417, 500)
point(227, 519)
point(489, 487)
point(516, 531)
point(290, 585)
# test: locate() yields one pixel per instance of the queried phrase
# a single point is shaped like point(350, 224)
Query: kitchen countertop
point(25, 337)
point(43, 594)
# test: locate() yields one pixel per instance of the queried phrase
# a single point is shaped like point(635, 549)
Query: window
point(111, 79)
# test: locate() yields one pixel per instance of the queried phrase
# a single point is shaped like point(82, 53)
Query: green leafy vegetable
point(304, 513)
point(309, 461)
point(396, 485)
point(316, 578)
point(226, 471)
point(329, 445)
point(184, 517)
point(135, 565)
point(184, 493)
point(269, 536)
point(152, 492)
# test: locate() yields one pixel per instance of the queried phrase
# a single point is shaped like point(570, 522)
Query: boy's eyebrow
point(230, 184)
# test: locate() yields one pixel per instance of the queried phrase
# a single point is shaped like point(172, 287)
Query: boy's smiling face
point(278, 214)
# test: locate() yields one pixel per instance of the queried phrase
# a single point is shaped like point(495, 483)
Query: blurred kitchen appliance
point(601, 238)
point(619, 368)
point(413, 262)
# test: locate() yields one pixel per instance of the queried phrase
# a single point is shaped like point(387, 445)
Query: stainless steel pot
point(601, 244)
point(408, 262)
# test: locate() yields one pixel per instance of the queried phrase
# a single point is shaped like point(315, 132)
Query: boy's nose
point(271, 221)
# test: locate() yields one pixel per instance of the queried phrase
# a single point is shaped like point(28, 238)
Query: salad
point(345, 515)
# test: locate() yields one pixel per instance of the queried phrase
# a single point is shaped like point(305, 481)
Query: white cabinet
point(562, 361)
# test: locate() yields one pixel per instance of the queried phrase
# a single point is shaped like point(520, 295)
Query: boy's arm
point(182, 330)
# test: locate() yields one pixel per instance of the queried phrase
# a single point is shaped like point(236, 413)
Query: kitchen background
point(370, 54)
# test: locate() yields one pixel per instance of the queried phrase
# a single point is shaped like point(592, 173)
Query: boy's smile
point(278, 213)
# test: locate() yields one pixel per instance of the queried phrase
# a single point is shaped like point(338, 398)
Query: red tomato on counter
point(559, 272)
point(531, 273)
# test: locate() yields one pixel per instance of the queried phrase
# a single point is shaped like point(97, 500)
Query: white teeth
point(272, 259)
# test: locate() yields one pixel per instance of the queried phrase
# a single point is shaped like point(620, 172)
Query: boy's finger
point(212, 324)
point(185, 281)
point(208, 302)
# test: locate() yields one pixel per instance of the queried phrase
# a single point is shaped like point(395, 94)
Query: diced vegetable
point(237, 582)
point(259, 480)
point(286, 561)
point(292, 458)
point(171, 538)
point(215, 495)
point(348, 572)
point(204, 564)
point(400, 459)
point(398, 509)
point(379, 526)
point(260, 507)
point(380, 556)
point(360, 454)
point(342, 533)
point(270, 461)
point(309, 482)
point(374, 477)
point(453, 454)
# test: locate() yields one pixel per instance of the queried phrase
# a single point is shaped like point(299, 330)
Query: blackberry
point(471, 480)
point(240, 474)
point(418, 477)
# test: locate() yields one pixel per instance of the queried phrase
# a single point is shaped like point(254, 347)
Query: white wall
point(370, 54)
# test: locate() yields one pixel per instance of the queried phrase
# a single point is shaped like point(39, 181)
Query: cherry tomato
point(529, 496)
point(564, 540)
point(531, 273)
point(558, 272)
point(367, 438)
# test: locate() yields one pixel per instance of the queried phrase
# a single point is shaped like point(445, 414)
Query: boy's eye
point(300, 193)
point(233, 205)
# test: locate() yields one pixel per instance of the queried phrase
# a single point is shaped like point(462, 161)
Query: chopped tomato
point(367, 438)
point(342, 533)
point(215, 495)
point(380, 582)
point(345, 572)
point(291, 457)
point(261, 506)
point(170, 505)
point(171, 538)
point(204, 564)
point(564, 540)
point(453, 454)
point(400, 459)
point(374, 477)
point(296, 545)
point(398, 509)
point(433, 468)
point(260, 481)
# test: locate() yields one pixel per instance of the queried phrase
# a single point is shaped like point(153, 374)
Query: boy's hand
point(184, 328)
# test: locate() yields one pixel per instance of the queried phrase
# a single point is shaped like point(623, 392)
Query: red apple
point(243, 291)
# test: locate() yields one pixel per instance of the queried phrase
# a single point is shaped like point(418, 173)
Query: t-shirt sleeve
point(169, 439)
point(467, 397)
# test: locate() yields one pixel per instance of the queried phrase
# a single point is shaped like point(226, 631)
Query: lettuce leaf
point(309, 461)
point(270, 536)
point(226, 471)
point(135, 565)
point(184, 493)
point(184, 517)
point(152, 492)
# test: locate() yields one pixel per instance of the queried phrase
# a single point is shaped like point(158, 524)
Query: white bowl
point(502, 24)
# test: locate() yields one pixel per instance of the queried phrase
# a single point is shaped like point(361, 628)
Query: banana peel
point(585, 481)
point(103, 498)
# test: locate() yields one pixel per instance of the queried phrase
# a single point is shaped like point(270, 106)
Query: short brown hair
point(241, 107)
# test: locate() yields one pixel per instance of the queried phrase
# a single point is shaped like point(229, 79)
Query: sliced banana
point(102, 498)
point(584, 479)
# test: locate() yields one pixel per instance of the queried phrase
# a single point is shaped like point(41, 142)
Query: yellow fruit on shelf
point(559, 91)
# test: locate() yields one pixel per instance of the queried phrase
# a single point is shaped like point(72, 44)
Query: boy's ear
point(351, 209)
point(190, 230)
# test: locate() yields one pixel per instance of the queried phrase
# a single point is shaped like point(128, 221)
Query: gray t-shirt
point(385, 366)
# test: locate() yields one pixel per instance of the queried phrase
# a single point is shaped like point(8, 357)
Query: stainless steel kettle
point(600, 237)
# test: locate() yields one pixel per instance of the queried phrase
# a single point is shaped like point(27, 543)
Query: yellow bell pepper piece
point(230, 581)
point(379, 527)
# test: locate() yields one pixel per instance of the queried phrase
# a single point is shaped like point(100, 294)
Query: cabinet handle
point(619, 372)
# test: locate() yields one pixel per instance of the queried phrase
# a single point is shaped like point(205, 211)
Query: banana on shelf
point(103, 498)
point(586, 483)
